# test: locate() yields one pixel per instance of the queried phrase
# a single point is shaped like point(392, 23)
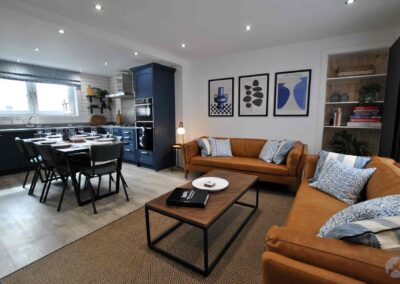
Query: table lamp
point(181, 130)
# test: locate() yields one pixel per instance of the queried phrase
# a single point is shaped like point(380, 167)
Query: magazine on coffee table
point(188, 197)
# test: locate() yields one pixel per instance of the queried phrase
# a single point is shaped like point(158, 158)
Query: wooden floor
point(30, 230)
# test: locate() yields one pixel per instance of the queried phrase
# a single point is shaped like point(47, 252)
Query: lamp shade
point(180, 129)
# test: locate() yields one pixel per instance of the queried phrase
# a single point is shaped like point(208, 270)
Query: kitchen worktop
point(23, 128)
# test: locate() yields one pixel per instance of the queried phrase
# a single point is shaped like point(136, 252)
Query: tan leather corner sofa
point(245, 159)
point(294, 254)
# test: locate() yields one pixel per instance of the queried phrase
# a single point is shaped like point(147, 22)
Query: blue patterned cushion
point(283, 150)
point(342, 182)
point(374, 208)
point(205, 148)
point(269, 150)
point(220, 147)
point(383, 233)
point(358, 162)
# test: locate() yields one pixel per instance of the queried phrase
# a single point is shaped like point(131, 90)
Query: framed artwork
point(220, 97)
point(292, 93)
point(253, 95)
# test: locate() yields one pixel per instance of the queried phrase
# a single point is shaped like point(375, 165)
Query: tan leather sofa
point(294, 254)
point(245, 159)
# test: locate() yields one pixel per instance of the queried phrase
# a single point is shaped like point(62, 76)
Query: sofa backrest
point(246, 147)
point(386, 178)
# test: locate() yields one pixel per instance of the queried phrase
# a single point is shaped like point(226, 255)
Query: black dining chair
point(105, 159)
point(58, 167)
point(29, 159)
point(34, 160)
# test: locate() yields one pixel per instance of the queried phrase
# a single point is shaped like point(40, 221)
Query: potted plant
point(101, 94)
point(369, 93)
point(345, 143)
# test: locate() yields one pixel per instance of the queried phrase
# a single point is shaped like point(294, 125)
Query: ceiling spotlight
point(61, 31)
point(136, 53)
point(98, 7)
point(349, 2)
point(248, 27)
point(37, 49)
point(183, 45)
point(105, 63)
point(18, 60)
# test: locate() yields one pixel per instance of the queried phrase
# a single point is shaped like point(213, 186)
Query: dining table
point(76, 145)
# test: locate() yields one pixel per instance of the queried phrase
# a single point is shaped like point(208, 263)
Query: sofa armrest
point(190, 150)
point(310, 166)
point(280, 269)
point(356, 261)
point(293, 158)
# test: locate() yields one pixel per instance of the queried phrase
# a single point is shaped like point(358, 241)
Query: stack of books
point(365, 116)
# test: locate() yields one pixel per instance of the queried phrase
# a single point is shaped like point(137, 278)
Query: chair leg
point(33, 183)
point(98, 186)
point(92, 195)
point(40, 175)
point(26, 178)
point(123, 181)
point(46, 181)
point(109, 182)
point(48, 186)
point(62, 194)
point(124, 187)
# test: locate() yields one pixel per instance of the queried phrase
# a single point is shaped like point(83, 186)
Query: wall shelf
point(351, 85)
point(350, 103)
point(352, 127)
point(372, 76)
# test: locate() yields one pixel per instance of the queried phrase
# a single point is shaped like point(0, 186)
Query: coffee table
point(204, 218)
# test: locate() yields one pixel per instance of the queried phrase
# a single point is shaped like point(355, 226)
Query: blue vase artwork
point(292, 93)
point(221, 98)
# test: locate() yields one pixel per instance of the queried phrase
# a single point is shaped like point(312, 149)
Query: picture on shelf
point(292, 93)
point(220, 97)
point(253, 95)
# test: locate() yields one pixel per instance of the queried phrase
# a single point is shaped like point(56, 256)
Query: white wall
point(307, 55)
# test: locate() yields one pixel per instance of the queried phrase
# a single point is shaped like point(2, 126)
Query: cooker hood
point(121, 86)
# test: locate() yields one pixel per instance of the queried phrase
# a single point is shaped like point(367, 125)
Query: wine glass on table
point(81, 130)
point(39, 131)
point(93, 131)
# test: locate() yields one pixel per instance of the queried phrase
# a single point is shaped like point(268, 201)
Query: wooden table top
point(217, 204)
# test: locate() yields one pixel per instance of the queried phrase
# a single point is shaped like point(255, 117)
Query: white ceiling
point(209, 28)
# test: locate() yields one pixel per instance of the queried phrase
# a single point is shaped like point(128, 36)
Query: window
point(14, 96)
point(19, 97)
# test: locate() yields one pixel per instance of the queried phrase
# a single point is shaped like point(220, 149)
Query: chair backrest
point(20, 146)
point(30, 150)
point(106, 152)
point(48, 156)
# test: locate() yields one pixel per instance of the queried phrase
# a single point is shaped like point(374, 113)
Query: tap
point(29, 122)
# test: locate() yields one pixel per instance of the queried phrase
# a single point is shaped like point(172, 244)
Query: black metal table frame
point(207, 267)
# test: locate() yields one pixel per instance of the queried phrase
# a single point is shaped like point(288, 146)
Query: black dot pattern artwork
point(226, 110)
point(253, 95)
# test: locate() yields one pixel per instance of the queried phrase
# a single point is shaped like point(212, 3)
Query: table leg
point(148, 227)
point(206, 270)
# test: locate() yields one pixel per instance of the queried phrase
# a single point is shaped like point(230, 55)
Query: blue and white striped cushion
point(269, 150)
point(383, 233)
point(284, 147)
point(205, 148)
point(351, 161)
point(342, 182)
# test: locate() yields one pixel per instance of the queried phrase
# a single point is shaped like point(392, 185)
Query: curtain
point(33, 73)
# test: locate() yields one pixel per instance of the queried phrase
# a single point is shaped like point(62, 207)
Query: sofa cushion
point(239, 163)
point(311, 209)
point(383, 233)
point(375, 208)
point(342, 182)
point(204, 145)
point(282, 152)
point(269, 150)
point(220, 147)
point(348, 160)
point(385, 180)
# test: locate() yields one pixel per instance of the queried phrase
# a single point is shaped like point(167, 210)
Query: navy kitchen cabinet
point(11, 161)
point(128, 137)
point(158, 82)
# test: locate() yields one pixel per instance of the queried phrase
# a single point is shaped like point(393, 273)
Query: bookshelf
point(347, 74)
